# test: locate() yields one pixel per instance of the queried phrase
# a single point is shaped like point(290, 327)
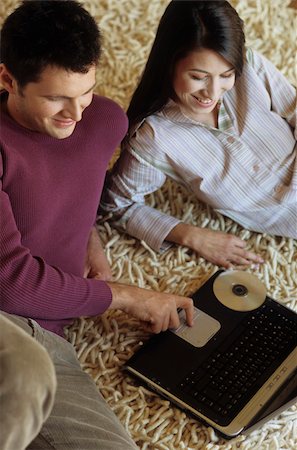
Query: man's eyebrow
point(64, 96)
point(204, 71)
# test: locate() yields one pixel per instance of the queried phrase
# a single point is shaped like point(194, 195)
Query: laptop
point(236, 367)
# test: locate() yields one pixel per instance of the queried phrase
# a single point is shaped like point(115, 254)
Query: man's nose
point(74, 109)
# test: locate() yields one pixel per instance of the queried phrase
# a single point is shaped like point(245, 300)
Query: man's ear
point(7, 81)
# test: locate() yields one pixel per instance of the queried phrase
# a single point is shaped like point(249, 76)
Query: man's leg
point(80, 418)
point(27, 385)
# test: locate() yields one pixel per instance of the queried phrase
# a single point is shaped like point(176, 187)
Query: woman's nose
point(213, 89)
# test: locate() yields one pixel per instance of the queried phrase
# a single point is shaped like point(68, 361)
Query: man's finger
point(188, 305)
point(174, 320)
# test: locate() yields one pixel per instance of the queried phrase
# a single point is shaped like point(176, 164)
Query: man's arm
point(96, 265)
point(32, 288)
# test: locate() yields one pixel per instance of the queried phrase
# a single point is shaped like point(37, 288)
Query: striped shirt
point(244, 169)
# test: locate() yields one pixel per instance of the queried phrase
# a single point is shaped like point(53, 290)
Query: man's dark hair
point(40, 33)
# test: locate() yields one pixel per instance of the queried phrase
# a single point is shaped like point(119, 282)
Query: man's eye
point(53, 99)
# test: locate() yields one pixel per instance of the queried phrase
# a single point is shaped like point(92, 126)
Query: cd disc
point(239, 290)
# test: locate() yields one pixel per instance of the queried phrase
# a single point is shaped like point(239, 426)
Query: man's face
point(55, 103)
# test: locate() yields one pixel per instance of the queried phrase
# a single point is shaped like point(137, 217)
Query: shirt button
point(230, 139)
point(278, 189)
point(256, 167)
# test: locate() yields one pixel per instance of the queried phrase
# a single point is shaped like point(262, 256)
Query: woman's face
point(200, 80)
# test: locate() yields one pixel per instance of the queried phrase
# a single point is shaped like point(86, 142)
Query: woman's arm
point(282, 93)
point(132, 178)
point(223, 249)
point(124, 193)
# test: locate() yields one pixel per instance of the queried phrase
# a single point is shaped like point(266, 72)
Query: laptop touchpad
point(204, 328)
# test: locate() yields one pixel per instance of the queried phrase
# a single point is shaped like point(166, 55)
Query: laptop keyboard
point(229, 378)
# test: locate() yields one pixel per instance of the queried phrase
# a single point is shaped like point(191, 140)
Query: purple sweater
point(50, 191)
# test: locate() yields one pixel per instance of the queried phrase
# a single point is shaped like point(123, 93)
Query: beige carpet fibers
point(104, 343)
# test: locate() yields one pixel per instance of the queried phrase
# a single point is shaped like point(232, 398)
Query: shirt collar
point(173, 112)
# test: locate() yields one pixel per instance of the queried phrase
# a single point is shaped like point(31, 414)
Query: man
point(56, 141)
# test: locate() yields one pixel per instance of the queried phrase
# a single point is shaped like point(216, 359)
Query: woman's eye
point(230, 75)
point(198, 79)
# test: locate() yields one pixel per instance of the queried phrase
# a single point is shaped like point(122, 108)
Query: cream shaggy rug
point(104, 343)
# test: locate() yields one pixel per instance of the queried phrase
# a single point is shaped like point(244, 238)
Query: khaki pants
point(47, 401)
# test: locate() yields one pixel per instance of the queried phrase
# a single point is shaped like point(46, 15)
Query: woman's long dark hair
point(186, 26)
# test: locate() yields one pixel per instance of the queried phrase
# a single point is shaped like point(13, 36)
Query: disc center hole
point(239, 289)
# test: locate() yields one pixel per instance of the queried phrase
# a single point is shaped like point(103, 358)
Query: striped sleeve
point(131, 180)
point(281, 92)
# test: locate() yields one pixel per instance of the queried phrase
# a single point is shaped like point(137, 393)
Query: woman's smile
point(200, 80)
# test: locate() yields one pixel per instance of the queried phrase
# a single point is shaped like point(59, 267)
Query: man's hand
point(223, 249)
point(96, 264)
point(157, 310)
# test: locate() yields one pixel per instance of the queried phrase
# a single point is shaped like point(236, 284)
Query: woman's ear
point(7, 81)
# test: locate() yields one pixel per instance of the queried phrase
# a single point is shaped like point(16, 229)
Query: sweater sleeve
point(30, 287)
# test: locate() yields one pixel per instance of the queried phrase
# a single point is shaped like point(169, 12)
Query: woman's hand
point(222, 249)
point(96, 264)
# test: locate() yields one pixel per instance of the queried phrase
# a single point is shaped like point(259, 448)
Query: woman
point(216, 118)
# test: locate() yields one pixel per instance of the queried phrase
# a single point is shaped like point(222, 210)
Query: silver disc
point(239, 290)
